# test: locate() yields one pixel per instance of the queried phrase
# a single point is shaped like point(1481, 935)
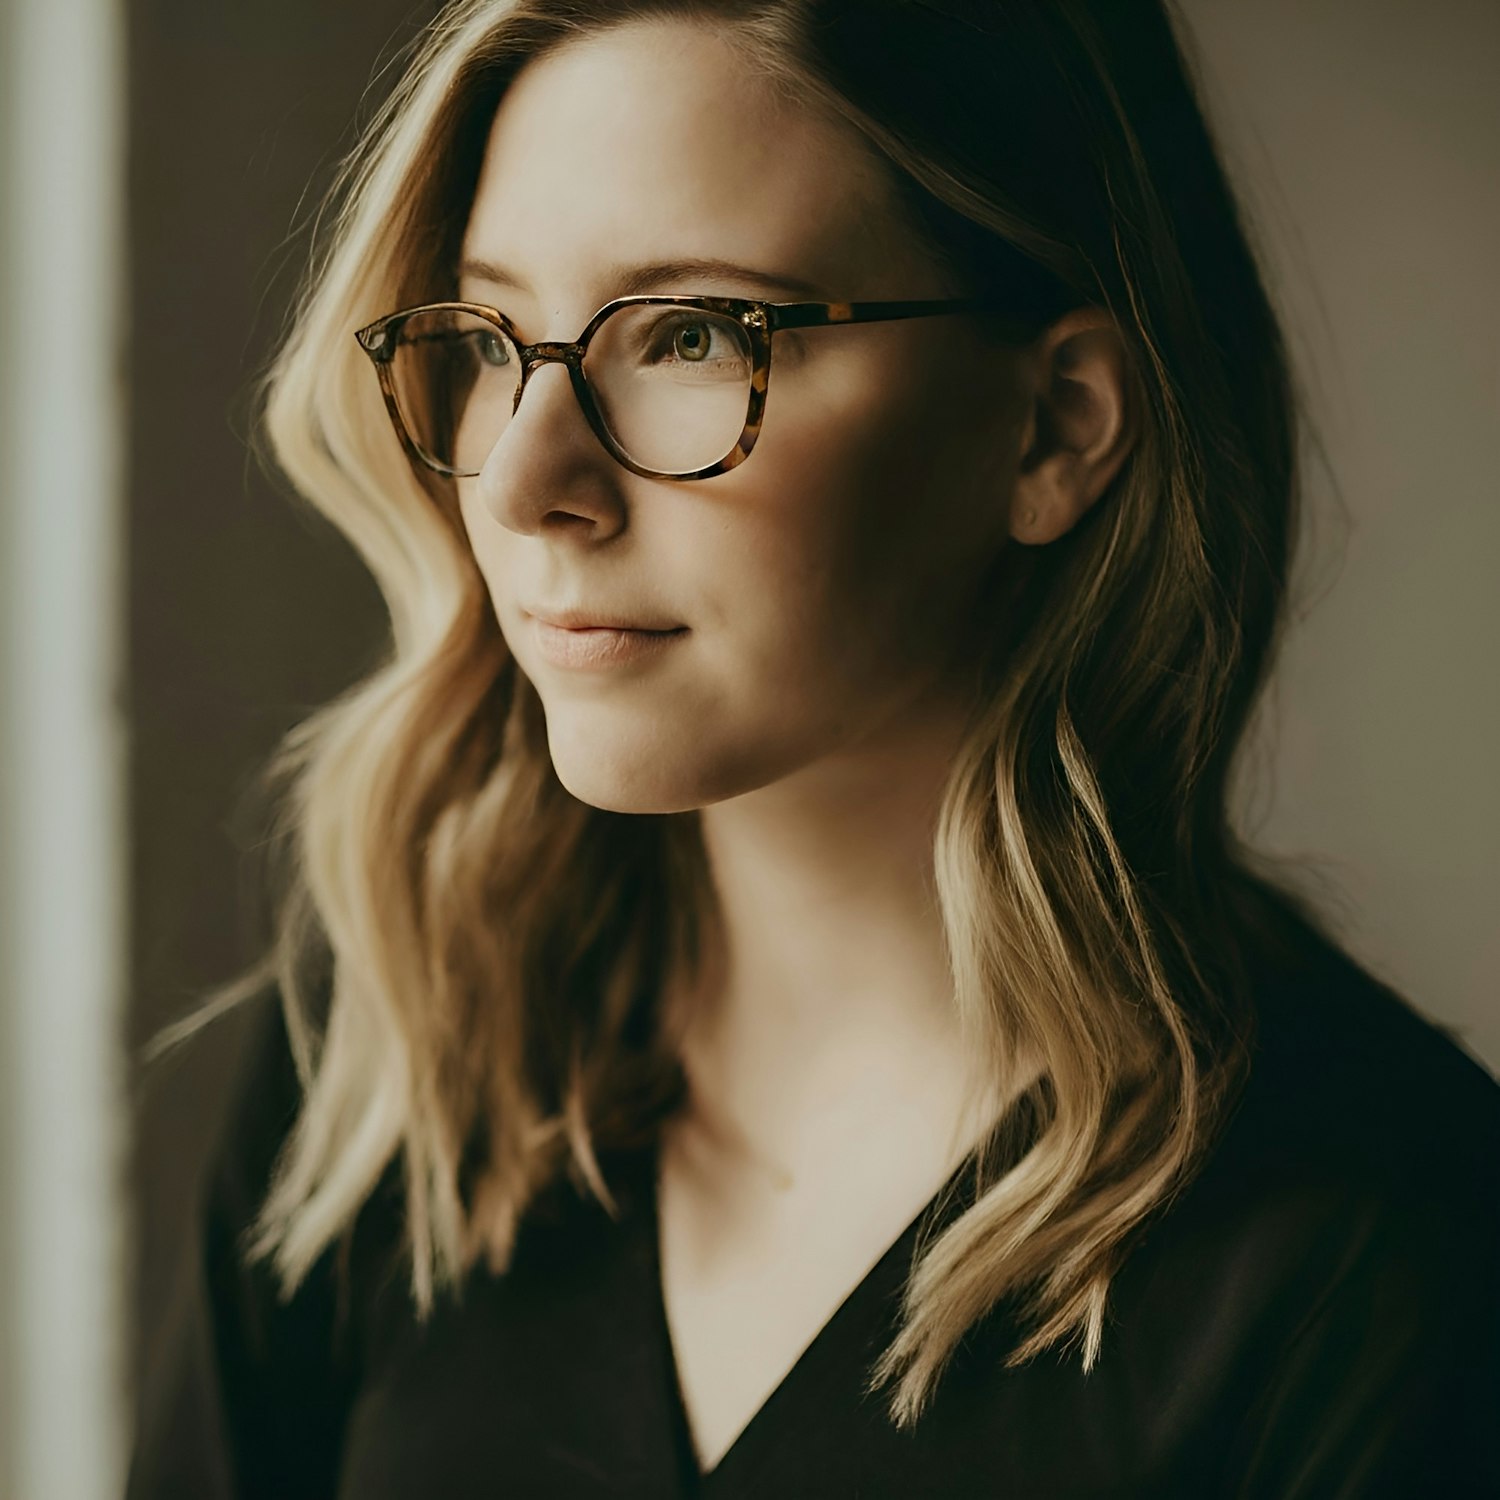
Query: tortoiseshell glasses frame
point(759, 319)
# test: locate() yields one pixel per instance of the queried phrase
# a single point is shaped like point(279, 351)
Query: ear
point(1079, 427)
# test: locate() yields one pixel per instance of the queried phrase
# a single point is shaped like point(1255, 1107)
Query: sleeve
point(1391, 1386)
point(251, 1393)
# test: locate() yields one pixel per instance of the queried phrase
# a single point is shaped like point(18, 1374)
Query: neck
point(827, 989)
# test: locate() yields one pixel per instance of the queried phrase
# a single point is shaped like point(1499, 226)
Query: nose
point(548, 471)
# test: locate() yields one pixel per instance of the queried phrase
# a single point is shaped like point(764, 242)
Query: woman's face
point(824, 588)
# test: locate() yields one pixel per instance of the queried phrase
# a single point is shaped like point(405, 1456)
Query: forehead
point(655, 142)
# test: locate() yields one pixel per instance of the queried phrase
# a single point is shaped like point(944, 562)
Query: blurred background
point(167, 613)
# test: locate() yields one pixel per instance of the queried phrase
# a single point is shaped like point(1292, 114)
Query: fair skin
point(829, 588)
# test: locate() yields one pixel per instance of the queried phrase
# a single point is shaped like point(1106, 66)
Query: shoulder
point(1354, 1095)
point(1357, 1168)
point(1320, 1298)
point(261, 1325)
point(1352, 1186)
point(255, 1384)
point(266, 1100)
point(1352, 1218)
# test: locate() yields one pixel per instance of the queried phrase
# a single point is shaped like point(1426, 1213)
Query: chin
point(615, 780)
point(648, 778)
point(624, 795)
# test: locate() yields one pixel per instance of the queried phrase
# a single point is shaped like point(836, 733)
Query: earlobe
point(1080, 426)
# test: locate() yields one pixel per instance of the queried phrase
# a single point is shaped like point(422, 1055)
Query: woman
point(770, 1002)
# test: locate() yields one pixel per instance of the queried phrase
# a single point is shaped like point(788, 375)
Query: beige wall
point(1366, 134)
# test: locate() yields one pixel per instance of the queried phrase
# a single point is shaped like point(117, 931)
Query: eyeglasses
point(673, 386)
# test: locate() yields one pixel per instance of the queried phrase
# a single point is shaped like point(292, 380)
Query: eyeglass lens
point(672, 385)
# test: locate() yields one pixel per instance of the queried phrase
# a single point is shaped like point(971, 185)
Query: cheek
point(880, 526)
point(824, 581)
point(497, 558)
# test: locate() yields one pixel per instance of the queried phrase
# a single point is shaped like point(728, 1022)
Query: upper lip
point(595, 619)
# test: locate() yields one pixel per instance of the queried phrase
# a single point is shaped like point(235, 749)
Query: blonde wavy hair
point(471, 961)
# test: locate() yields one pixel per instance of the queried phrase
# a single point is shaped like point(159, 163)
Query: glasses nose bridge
point(550, 351)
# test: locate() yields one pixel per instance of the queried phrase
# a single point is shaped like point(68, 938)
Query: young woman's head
point(1046, 532)
point(832, 589)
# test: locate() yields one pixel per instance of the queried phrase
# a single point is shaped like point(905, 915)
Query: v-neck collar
point(853, 1334)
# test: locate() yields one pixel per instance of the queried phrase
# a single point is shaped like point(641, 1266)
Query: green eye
point(703, 341)
point(692, 341)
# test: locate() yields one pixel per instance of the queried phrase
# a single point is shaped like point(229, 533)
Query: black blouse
point(1315, 1315)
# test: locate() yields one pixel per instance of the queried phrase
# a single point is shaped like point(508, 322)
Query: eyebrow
point(632, 280)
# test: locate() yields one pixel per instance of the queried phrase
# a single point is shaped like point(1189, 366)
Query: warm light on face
point(820, 592)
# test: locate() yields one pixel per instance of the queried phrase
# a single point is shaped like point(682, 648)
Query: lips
point(588, 619)
point(598, 647)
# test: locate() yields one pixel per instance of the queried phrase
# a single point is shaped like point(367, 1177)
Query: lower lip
point(598, 646)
